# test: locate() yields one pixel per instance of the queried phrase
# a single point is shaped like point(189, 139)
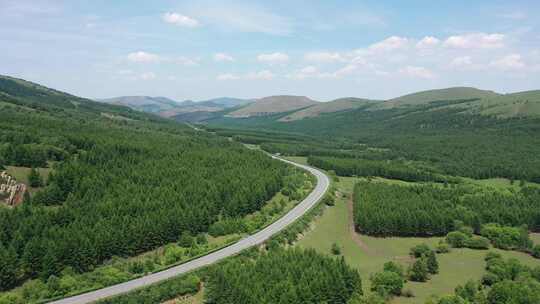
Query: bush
point(387, 283)
point(468, 291)
point(158, 293)
point(432, 263)
point(394, 267)
point(201, 239)
point(536, 251)
point(419, 250)
point(456, 239)
point(505, 237)
point(419, 271)
point(477, 242)
point(186, 240)
point(442, 247)
point(329, 200)
point(492, 255)
point(336, 250)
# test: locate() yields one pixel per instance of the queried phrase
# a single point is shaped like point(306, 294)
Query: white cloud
point(246, 17)
point(147, 76)
point(273, 58)
point(306, 72)
point(143, 57)
point(475, 41)
point(417, 72)
point(428, 42)
point(228, 76)
point(261, 75)
point(390, 44)
point(323, 57)
point(180, 20)
point(510, 62)
point(461, 62)
point(220, 57)
point(185, 61)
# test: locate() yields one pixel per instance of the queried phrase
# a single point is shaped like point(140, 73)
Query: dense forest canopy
point(425, 210)
point(455, 141)
point(119, 186)
point(283, 276)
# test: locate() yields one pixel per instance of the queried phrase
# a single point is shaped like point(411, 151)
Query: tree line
point(283, 276)
point(393, 169)
point(425, 210)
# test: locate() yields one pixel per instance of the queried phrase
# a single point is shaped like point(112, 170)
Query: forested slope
point(439, 133)
point(122, 182)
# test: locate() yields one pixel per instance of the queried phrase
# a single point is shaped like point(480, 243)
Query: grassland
point(368, 254)
point(21, 173)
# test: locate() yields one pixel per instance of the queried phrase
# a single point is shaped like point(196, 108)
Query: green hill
point(342, 104)
point(121, 183)
point(520, 104)
point(449, 94)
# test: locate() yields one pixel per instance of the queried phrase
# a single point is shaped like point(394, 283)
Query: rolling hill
point(169, 108)
point(448, 94)
point(273, 105)
point(342, 104)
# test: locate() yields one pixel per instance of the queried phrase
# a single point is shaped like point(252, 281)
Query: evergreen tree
point(432, 263)
point(419, 271)
point(34, 178)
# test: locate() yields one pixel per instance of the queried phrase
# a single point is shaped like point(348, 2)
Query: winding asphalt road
point(300, 209)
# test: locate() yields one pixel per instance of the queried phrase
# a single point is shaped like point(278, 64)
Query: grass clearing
point(456, 267)
point(21, 173)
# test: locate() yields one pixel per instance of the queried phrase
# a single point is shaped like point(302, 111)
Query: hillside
point(337, 105)
point(169, 108)
point(272, 105)
point(520, 104)
point(448, 94)
point(28, 95)
point(144, 103)
point(121, 183)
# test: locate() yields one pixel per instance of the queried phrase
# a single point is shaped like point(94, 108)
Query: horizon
point(193, 50)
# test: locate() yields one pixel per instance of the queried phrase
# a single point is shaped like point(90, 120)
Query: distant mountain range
point(169, 108)
point(287, 108)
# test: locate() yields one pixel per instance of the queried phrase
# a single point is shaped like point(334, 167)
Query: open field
point(21, 173)
point(368, 254)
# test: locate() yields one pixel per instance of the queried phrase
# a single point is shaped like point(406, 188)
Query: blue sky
point(321, 49)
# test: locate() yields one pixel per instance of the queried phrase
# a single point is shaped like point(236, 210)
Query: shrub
point(505, 237)
point(394, 267)
point(329, 200)
point(468, 291)
point(186, 240)
point(536, 251)
point(442, 247)
point(419, 271)
point(336, 250)
point(477, 242)
point(419, 250)
point(456, 239)
point(432, 263)
point(387, 283)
